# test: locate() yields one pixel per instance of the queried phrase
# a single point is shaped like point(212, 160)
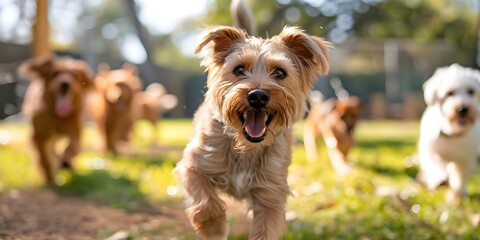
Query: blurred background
point(384, 49)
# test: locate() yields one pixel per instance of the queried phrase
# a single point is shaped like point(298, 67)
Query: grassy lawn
point(379, 201)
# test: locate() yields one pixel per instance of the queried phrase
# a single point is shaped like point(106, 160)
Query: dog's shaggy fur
point(112, 105)
point(334, 120)
point(257, 90)
point(450, 129)
point(55, 104)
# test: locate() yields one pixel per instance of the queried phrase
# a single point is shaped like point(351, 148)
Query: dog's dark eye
point(450, 93)
point(279, 73)
point(470, 91)
point(240, 71)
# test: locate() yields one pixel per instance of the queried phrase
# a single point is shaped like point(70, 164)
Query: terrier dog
point(55, 103)
point(334, 120)
point(256, 90)
point(112, 105)
point(450, 129)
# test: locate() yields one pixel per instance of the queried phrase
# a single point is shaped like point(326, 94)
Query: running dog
point(54, 102)
point(112, 106)
point(334, 120)
point(450, 129)
point(256, 90)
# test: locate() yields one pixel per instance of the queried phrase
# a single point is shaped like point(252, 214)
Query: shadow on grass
point(390, 143)
point(411, 172)
point(102, 187)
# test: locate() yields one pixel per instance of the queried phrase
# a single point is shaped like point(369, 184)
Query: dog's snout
point(64, 87)
point(463, 111)
point(258, 98)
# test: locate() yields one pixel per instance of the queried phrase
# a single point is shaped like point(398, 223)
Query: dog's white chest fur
point(241, 181)
point(435, 138)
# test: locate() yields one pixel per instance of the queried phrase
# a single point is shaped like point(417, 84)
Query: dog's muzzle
point(463, 113)
point(256, 120)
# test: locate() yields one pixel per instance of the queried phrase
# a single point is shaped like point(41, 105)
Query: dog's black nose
point(463, 111)
point(64, 87)
point(258, 98)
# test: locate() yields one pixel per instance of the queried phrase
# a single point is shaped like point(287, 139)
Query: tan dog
point(152, 103)
point(55, 104)
point(257, 90)
point(335, 121)
point(112, 106)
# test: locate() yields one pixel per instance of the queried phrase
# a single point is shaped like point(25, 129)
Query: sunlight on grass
point(379, 201)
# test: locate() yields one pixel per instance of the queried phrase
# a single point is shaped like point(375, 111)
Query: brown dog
point(335, 121)
point(112, 105)
point(55, 104)
point(257, 90)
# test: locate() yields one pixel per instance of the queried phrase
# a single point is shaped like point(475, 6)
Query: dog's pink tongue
point(63, 106)
point(255, 124)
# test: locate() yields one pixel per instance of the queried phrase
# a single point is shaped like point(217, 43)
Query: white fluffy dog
point(450, 129)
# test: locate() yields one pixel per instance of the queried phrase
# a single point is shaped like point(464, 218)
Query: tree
point(338, 20)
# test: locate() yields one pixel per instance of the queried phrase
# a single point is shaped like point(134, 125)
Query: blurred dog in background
point(54, 102)
point(450, 129)
point(152, 103)
point(334, 120)
point(112, 107)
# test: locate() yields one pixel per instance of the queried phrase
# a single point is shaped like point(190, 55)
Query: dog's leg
point(72, 149)
point(432, 169)
point(338, 160)
point(205, 209)
point(110, 137)
point(309, 141)
point(268, 208)
point(458, 175)
point(44, 148)
point(126, 130)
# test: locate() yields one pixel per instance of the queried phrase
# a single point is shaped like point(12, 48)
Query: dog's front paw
point(209, 220)
point(454, 197)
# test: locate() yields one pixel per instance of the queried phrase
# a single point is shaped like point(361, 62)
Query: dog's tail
point(337, 86)
point(243, 17)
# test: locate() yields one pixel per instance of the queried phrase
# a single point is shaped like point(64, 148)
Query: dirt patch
point(43, 214)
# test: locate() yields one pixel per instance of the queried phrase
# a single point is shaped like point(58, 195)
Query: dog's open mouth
point(255, 124)
point(463, 120)
point(63, 106)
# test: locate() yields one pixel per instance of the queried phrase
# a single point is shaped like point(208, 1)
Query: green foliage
point(419, 20)
point(381, 200)
point(422, 21)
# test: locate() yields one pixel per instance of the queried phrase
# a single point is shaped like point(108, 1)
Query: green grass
point(379, 201)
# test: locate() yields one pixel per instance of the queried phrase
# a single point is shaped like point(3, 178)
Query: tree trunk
point(41, 33)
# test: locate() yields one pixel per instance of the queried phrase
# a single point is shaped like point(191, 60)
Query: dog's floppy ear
point(102, 71)
point(131, 68)
point(103, 68)
point(430, 87)
point(84, 72)
point(216, 42)
point(312, 51)
point(37, 68)
point(135, 83)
